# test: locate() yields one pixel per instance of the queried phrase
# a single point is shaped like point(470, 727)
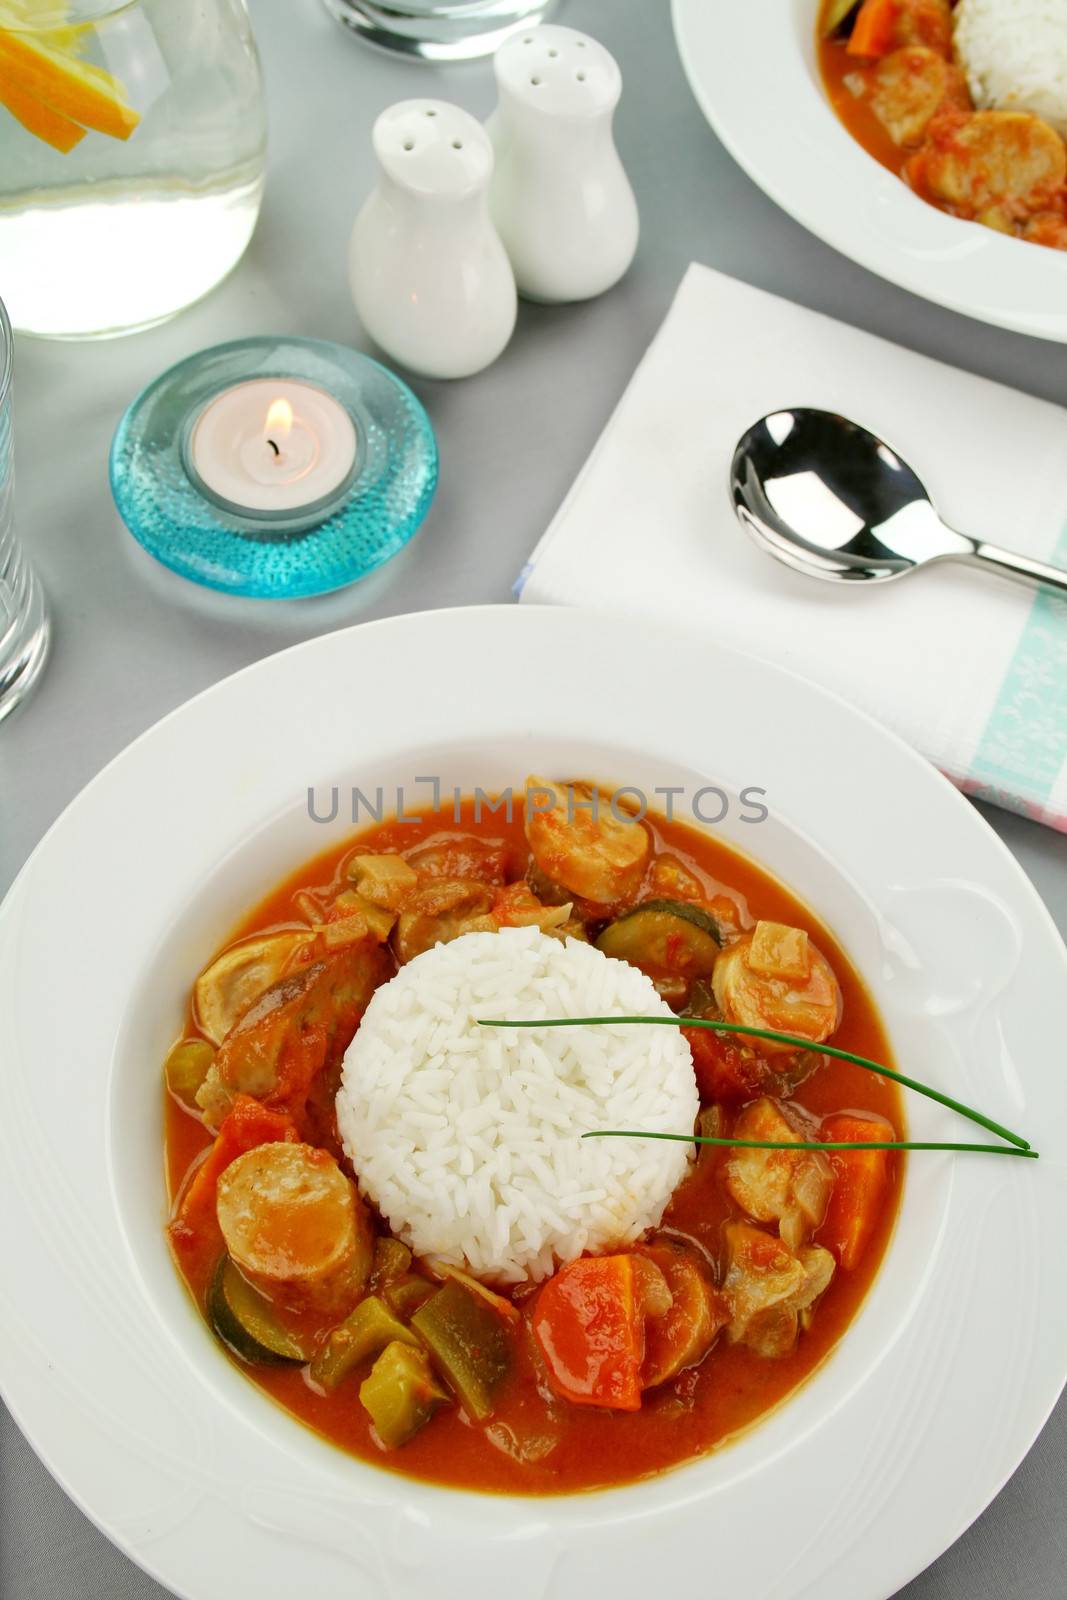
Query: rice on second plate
point(468, 1139)
point(1014, 53)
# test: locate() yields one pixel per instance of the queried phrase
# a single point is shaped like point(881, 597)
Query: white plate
point(752, 66)
point(881, 1458)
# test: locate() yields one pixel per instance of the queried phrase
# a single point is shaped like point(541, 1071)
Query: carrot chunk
point(886, 25)
point(247, 1125)
point(875, 29)
point(861, 1178)
point(589, 1323)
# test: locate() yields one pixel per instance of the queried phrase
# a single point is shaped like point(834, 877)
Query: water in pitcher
point(132, 150)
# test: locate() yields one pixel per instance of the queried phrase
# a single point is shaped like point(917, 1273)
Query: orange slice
point(74, 89)
point(39, 119)
point(47, 21)
point(52, 16)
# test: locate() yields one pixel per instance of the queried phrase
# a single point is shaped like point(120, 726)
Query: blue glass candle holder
point(307, 550)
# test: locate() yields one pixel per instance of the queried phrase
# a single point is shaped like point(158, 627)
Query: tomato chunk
point(589, 1323)
point(246, 1126)
point(861, 1178)
point(726, 1072)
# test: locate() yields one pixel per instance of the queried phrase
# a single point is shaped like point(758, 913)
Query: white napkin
point(968, 667)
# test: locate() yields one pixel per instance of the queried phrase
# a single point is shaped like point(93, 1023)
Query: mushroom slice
point(790, 1187)
point(681, 1333)
point(770, 1291)
point(235, 981)
point(440, 910)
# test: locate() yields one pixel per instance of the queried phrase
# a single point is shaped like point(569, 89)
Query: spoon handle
point(1021, 568)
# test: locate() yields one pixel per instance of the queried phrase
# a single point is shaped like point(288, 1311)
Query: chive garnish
point(781, 1038)
point(816, 1144)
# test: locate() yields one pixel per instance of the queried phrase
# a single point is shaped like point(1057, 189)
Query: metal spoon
point(830, 499)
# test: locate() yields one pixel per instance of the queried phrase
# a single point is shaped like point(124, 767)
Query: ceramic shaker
point(430, 278)
point(560, 197)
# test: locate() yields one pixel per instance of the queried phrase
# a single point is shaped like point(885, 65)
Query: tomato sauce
point(1004, 172)
point(836, 66)
point(536, 1443)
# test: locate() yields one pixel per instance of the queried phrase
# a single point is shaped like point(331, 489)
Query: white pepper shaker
point(560, 196)
point(430, 278)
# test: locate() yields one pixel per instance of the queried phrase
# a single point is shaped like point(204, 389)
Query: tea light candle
point(274, 467)
point(272, 448)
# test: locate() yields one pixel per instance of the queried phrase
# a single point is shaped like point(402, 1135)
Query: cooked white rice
point(1014, 53)
point(468, 1139)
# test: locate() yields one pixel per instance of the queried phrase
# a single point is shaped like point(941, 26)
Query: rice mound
point(468, 1139)
point(1014, 53)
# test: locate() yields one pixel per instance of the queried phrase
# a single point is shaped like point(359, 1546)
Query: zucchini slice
point(245, 1321)
point(835, 14)
point(392, 1260)
point(401, 1394)
point(365, 1332)
point(664, 938)
point(469, 1343)
point(186, 1068)
point(407, 1295)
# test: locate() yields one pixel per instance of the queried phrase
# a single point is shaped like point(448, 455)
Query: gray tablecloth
point(132, 641)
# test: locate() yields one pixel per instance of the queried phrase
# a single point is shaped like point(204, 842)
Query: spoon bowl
point(830, 499)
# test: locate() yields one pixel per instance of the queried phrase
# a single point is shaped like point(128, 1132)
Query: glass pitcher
point(23, 613)
point(132, 152)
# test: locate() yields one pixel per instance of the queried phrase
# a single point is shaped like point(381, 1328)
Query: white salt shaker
point(560, 196)
point(430, 278)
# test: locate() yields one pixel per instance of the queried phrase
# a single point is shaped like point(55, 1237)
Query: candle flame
point(279, 421)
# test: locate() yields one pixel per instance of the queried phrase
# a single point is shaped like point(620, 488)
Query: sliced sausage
point(296, 1227)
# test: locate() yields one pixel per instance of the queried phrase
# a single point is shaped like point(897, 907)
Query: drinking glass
point(23, 618)
point(132, 151)
point(440, 30)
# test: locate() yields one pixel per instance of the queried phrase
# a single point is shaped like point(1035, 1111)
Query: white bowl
point(854, 1484)
point(754, 71)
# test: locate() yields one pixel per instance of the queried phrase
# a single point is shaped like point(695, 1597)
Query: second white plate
point(753, 69)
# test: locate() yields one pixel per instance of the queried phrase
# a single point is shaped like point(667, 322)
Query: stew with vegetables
point(895, 76)
point(618, 1364)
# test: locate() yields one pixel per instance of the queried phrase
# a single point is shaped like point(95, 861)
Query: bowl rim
point(7, 355)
